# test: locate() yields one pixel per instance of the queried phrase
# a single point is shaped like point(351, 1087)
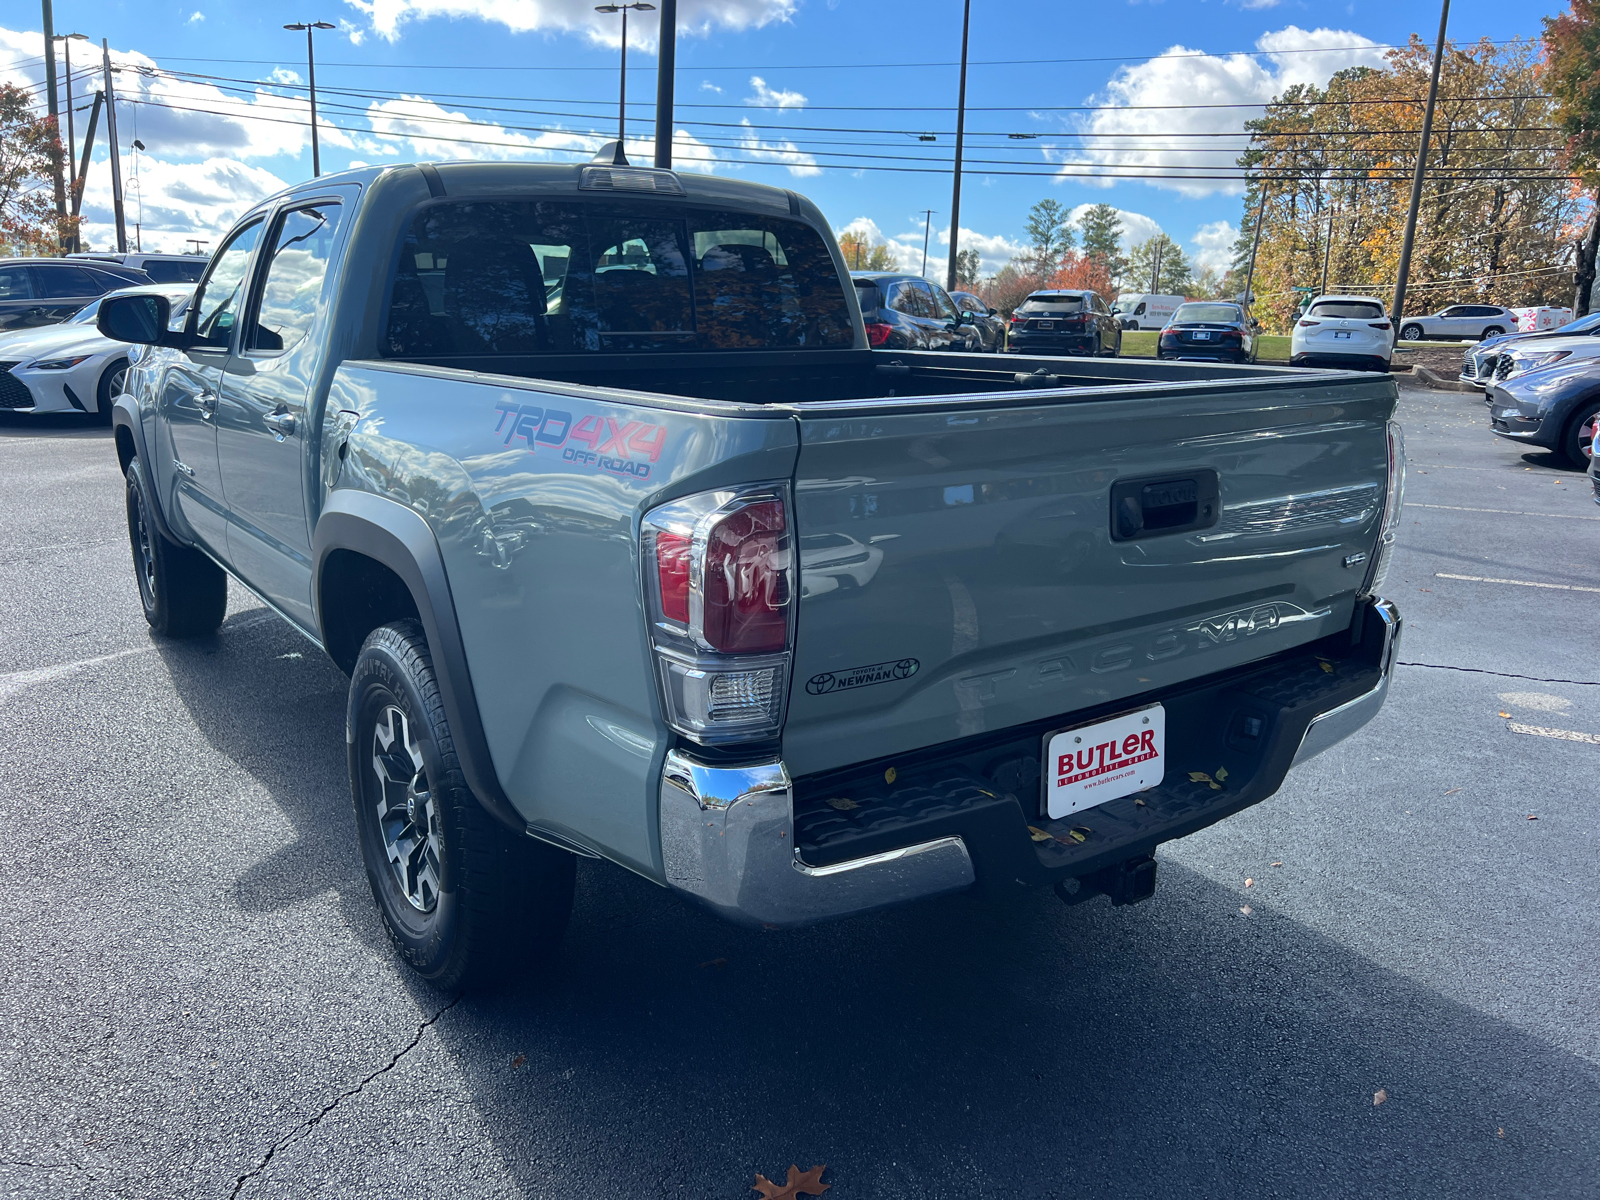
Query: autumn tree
point(29, 223)
point(861, 253)
point(968, 264)
point(1571, 74)
point(1100, 235)
point(1085, 271)
point(1049, 230)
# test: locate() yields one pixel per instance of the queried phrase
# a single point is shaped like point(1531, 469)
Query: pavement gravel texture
point(197, 999)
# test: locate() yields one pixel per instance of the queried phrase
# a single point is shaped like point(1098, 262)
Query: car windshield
point(1052, 304)
point(1355, 310)
point(1207, 312)
point(87, 314)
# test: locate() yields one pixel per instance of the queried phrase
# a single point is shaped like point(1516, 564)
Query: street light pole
point(54, 107)
point(116, 159)
point(311, 70)
point(927, 228)
point(622, 100)
point(1417, 176)
point(666, 67)
point(961, 124)
point(66, 40)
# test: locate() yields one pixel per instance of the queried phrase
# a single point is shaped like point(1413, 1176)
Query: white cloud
point(1250, 5)
point(196, 17)
point(781, 151)
point(993, 251)
point(707, 86)
point(1188, 88)
point(696, 17)
point(1136, 227)
point(768, 97)
point(180, 200)
point(1215, 241)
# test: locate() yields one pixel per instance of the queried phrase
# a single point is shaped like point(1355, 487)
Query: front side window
point(533, 277)
point(292, 292)
point(222, 294)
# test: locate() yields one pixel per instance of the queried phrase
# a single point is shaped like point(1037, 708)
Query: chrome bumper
point(1339, 723)
point(727, 840)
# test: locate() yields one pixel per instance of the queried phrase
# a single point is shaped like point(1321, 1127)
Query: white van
point(1143, 311)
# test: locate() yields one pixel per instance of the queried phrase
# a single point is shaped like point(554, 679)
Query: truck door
point(188, 403)
point(264, 420)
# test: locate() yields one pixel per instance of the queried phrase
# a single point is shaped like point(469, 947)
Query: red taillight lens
point(746, 581)
point(877, 334)
point(1304, 324)
point(672, 569)
point(1379, 324)
point(1018, 319)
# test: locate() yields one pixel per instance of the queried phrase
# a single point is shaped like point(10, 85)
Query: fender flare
point(125, 416)
point(399, 538)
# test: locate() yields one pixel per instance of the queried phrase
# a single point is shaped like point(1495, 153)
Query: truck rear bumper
point(762, 849)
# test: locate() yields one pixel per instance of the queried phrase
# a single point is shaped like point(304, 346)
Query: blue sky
point(824, 96)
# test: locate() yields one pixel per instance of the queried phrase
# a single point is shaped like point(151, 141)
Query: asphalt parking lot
point(197, 999)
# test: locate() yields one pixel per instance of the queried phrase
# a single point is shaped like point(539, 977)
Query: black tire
point(1492, 331)
point(184, 594)
point(109, 387)
point(1411, 333)
point(466, 902)
point(1574, 448)
point(1116, 351)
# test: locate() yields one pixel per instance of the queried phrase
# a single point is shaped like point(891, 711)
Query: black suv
point(1065, 322)
point(45, 291)
point(990, 324)
point(906, 312)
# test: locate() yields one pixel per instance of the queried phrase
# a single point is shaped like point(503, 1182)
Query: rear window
point(1353, 310)
point(538, 277)
point(175, 272)
point(868, 296)
point(1206, 312)
point(1053, 304)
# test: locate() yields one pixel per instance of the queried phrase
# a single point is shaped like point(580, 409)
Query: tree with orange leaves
point(1571, 73)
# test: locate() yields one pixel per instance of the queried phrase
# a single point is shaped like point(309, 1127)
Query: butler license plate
point(1092, 764)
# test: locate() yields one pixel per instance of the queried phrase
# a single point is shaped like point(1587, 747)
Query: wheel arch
point(128, 438)
point(375, 561)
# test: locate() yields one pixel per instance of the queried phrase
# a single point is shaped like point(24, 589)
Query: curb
point(1440, 384)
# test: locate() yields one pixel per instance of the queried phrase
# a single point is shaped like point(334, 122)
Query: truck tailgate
point(962, 569)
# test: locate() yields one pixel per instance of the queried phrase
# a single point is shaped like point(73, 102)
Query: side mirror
point(137, 319)
point(994, 312)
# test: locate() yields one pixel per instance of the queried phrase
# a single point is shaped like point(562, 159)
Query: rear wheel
point(1577, 442)
point(466, 901)
point(1411, 333)
point(109, 388)
point(1492, 331)
point(184, 594)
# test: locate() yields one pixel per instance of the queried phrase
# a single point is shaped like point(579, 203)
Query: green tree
point(1100, 233)
point(861, 253)
point(968, 263)
point(1176, 273)
point(1571, 65)
point(1049, 230)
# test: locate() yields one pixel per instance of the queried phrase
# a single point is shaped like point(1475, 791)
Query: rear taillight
point(1394, 497)
point(1018, 319)
point(1379, 324)
point(720, 571)
point(878, 333)
point(1305, 324)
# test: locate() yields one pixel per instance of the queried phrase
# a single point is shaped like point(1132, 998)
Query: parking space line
point(1566, 735)
point(1510, 512)
point(18, 681)
point(1560, 587)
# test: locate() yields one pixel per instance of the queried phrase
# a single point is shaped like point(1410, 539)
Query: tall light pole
point(622, 103)
point(927, 228)
point(961, 125)
point(55, 116)
point(66, 40)
point(1416, 177)
point(666, 66)
point(311, 70)
point(116, 154)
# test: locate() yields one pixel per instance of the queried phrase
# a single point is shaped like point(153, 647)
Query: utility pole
point(88, 151)
point(1327, 249)
point(54, 106)
point(311, 72)
point(927, 228)
point(1155, 270)
point(621, 156)
point(116, 161)
point(961, 126)
point(1417, 176)
point(1255, 244)
point(666, 67)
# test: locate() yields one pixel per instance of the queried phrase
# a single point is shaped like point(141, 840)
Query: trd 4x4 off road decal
point(622, 448)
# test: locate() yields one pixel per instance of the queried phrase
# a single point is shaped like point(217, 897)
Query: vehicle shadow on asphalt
point(52, 425)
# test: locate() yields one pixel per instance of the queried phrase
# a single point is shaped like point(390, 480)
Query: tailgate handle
point(1143, 508)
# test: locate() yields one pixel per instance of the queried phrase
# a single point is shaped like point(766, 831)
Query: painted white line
point(19, 681)
point(1560, 587)
point(1510, 512)
point(1566, 735)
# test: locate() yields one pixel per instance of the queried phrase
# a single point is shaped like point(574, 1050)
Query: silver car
point(1461, 323)
point(1478, 364)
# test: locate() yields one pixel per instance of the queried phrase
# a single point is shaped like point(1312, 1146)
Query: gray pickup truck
point(633, 549)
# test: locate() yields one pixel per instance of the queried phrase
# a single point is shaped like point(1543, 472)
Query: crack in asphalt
point(311, 1122)
point(1500, 674)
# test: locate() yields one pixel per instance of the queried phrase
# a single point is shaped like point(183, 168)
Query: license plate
point(1091, 764)
point(1044, 324)
point(1201, 337)
point(1341, 333)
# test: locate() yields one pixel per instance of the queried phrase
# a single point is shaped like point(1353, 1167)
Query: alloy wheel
point(144, 557)
point(119, 379)
point(1586, 436)
point(408, 820)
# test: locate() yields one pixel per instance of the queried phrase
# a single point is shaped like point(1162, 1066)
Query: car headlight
point(58, 364)
point(1532, 362)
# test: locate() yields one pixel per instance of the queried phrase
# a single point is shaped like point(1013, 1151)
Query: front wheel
point(1491, 332)
point(184, 593)
point(1577, 442)
point(1411, 333)
point(466, 901)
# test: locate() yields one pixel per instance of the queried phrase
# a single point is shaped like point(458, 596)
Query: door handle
point(281, 424)
point(206, 402)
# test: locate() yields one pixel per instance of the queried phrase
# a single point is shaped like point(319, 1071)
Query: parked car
point(163, 268)
point(909, 312)
point(1343, 331)
point(1460, 323)
point(1209, 331)
point(71, 367)
point(44, 291)
point(1479, 362)
point(1064, 321)
point(1552, 406)
point(1144, 310)
point(562, 553)
point(990, 324)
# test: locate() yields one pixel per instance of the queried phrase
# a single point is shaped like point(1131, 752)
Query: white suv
point(1461, 322)
point(1343, 331)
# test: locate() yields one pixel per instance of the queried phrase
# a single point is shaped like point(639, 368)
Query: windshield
point(1052, 303)
point(1354, 310)
point(85, 315)
point(1207, 312)
point(1125, 303)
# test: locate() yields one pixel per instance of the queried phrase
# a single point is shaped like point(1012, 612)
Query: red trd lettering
point(1147, 740)
point(653, 445)
point(617, 438)
point(587, 430)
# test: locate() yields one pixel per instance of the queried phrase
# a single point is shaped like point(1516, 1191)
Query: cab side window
point(221, 296)
point(59, 280)
point(292, 291)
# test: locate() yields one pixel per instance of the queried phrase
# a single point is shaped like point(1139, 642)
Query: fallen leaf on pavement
point(519, 1060)
point(1038, 834)
point(1247, 910)
point(1328, 667)
point(799, 1183)
point(1202, 777)
point(1141, 803)
point(1222, 773)
point(1452, 791)
point(1249, 883)
point(1531, 817)
point(1078, 833)
point(1501, 1132)
point(1378, 1097)
point(1505, 714)
point(714, 962)
point(890, 775)
point(1277, 864)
